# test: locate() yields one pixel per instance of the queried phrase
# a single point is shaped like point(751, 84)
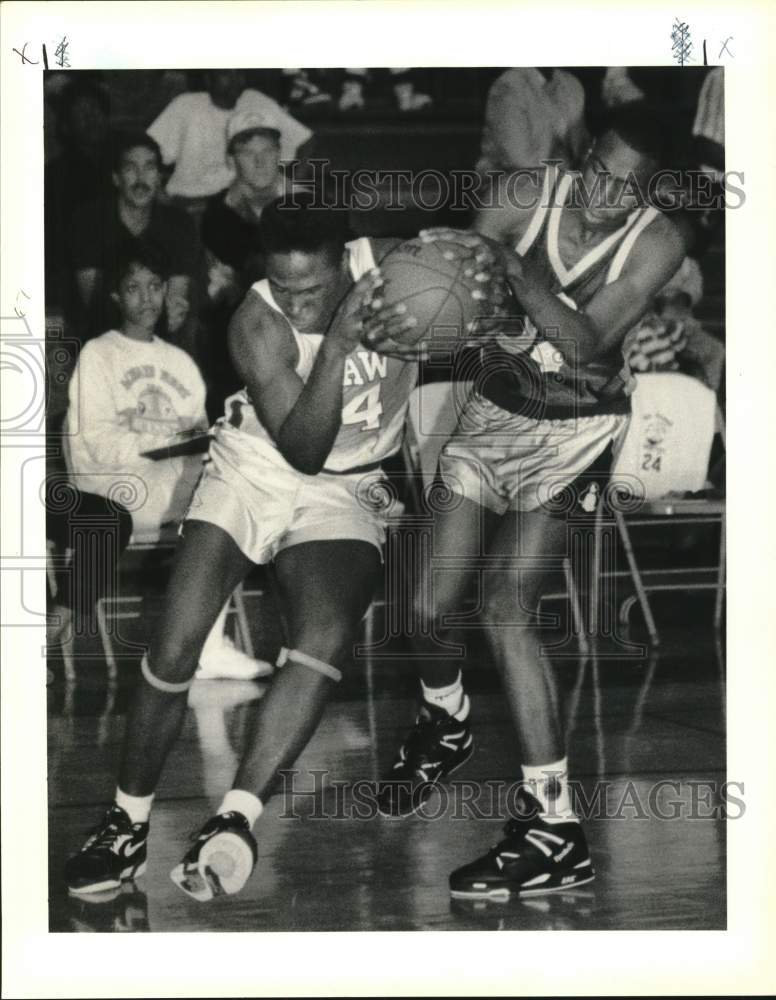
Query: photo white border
point(434, 33)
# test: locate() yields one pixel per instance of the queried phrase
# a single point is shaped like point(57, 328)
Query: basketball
point(436, 291)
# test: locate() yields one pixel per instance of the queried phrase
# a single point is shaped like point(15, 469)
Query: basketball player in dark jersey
point(584, 259)
point(288, 482)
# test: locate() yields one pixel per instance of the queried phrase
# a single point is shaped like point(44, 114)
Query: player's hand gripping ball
point(440, 291)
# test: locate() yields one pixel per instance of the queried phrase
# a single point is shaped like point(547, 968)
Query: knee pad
point(169, 687)
point(297, 656)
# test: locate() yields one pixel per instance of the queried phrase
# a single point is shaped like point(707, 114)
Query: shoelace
point(203, 832)
point(103, 837)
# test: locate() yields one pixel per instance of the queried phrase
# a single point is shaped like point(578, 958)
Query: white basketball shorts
point(506, 461)
point(249, 491)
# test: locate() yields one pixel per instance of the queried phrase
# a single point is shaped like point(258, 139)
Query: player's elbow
point(299, 455)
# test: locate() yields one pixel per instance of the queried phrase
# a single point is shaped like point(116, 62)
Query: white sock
point(451, 698)
point(237, 800)
point(137, 807)
point(549, 783)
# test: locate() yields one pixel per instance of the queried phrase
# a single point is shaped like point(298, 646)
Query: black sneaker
point(221, 859)
point(535, 857)
point(437, 745)
point(122, 910)
point(114, 853)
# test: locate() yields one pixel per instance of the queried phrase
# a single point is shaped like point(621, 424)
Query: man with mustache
point(135, 211)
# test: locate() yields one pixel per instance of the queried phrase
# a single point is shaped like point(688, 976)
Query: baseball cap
point(244, 122)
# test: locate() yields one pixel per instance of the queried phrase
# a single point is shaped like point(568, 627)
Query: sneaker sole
point(506, 893)
point(127, 875)
point(442, 778)
point(224, 866)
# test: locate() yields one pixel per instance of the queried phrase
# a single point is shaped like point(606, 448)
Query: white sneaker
point(410, 99)
point(230, 663)
point(352, 97)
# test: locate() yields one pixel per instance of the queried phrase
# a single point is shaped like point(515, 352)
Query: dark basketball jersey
point(540, 382)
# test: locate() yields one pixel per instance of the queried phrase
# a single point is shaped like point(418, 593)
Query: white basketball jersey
point(374, 395)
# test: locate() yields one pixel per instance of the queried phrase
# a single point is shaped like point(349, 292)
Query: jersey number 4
point(365, 408)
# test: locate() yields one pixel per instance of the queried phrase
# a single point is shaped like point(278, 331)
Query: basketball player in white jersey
point(532, 449)
point(288, 481)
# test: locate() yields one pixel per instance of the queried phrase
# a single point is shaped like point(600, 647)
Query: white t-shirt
point(191, 132)
point(126, 397)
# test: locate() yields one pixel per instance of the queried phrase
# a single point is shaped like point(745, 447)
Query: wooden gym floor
point(633, 723)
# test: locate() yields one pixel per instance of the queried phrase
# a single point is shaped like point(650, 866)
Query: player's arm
point(302, 417)
point(510, 206)
point(606, 319)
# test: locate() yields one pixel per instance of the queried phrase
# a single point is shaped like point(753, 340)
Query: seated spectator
point(231, 219)
point(78, 173)
point(708, 136)
point(191, 132)
point(709, 125)
point(670, 338)
point(230, 233)
point(619, 88)
point(131, 393)
point(134, 210)
point(533, 115)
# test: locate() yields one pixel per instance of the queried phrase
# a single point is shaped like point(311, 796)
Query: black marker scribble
point(24, 57)
point(61, 53)
point(681, 43)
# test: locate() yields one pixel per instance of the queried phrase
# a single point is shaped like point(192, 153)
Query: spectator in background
point(132, 393)
point(670, 338)
point(709, 126)
point(191, 132)
point(708, 154)
point(533, 115)
point(78, 173)
point(134, 210)
point(230, 234)
point(618, 88)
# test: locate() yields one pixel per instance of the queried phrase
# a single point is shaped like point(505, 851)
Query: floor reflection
point(631, 724)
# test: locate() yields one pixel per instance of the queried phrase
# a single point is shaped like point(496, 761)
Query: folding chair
point(664, 461)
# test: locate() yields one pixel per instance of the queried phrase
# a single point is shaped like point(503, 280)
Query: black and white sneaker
point(115, 852)
point(122, 910)
point(221, 859)
point(437, 745)
point(535, 857)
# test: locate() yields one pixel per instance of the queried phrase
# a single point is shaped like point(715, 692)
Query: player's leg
point(545, 847)
point(440, 741)
point(326, 587)
point(470, 488)
point(208, 566)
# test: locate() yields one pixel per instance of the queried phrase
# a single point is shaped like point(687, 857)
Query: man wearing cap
point(191, 132)
point(230, 234)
